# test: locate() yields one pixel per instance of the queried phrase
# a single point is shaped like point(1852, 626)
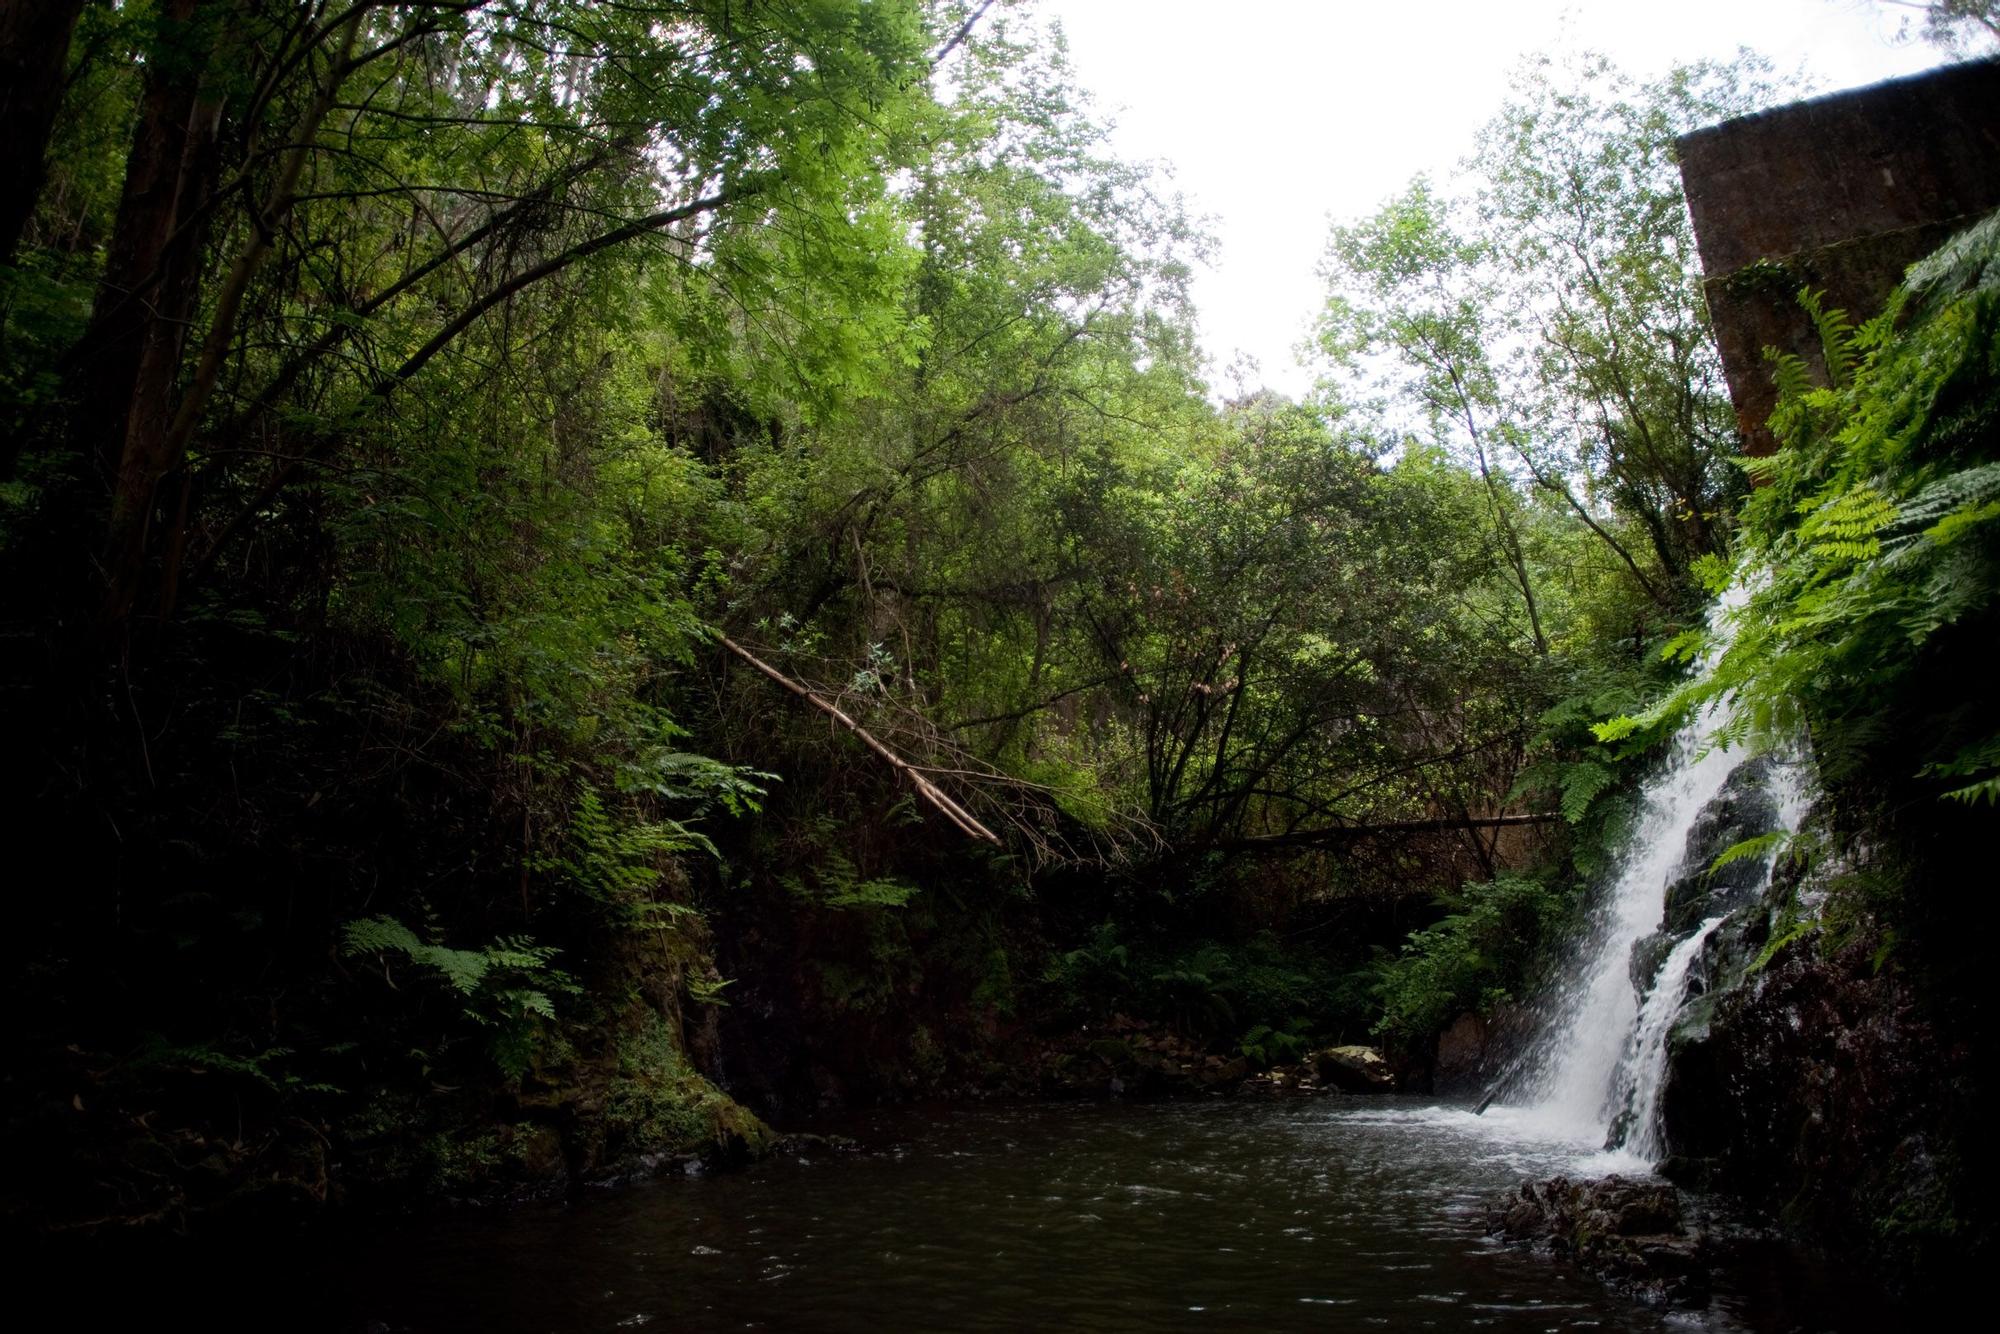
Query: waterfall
point(1645, 1068)
point(1595, 1074)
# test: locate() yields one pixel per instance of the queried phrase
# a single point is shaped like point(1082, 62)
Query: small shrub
point(1482, 954)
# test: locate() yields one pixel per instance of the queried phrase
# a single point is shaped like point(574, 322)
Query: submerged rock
point(801, 1143)
point(1631, 1234)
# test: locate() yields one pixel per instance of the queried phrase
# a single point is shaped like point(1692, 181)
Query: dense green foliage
point(1547, 324)
point(1485, 953)
point(1544, 330)
point(1870, 550)
point(1870, 570)
point(561, 552)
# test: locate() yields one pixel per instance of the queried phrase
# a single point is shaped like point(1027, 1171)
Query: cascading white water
point(1645, 1067)
point(1601, 1060)
point(1573, 1070)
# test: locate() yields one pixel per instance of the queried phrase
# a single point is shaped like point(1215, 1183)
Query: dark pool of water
point(1332, 1213)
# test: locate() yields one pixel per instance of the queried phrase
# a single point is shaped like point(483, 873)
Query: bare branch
point(925, 788)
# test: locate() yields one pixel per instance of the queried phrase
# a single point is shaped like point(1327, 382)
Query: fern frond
point(1581, 784)
point(374, 935)
point(1968, 262)
point(1986, 791)
point(1797, 931)
point(1685, 646)
point(1764, 845)
point(1836, 336)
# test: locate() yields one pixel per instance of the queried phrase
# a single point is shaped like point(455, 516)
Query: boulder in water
point(1355, 1069)
point(1632, 1234)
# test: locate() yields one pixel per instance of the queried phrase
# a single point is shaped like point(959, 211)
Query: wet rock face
point(1744, 809)
point(1741, 891)
point(1474, 1052)
point(1818, 1091)
point(1816, 1083)
point(1632, 1234)
point(1648, 953)
point(1460, 1063)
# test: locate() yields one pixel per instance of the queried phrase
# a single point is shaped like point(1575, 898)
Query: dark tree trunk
point(34, 50)
point(125, 367)
point(151, 258)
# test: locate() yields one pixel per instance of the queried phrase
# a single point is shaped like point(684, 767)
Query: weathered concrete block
point(1841, 194)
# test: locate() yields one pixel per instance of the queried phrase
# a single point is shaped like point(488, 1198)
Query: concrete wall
point(1841, 193)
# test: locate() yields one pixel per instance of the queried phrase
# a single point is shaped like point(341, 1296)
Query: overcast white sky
point(1278, 114)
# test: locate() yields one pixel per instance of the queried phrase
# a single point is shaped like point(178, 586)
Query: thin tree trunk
point(1510, 541)
point(1554, 483)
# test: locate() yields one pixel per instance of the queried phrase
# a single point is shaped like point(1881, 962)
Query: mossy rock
point(656, 1108)
point(519, 1158)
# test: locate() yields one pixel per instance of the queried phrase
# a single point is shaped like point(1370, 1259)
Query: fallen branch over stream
point(932, 794)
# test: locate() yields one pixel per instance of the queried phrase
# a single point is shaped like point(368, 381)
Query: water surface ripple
point(1329, 1213)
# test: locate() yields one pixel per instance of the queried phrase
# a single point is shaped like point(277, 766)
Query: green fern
point(1581, 784)
point(201, 1059)
point(1836, 336)
point(1869, 539)
point(1968, 262)
point(506, 988)
point(837, 884)
point(1763, 845)
point(708, 991)
point(1981, 759)
point(1847, 526)
point(621, 860)
point(703, 784)
point(1795, 932)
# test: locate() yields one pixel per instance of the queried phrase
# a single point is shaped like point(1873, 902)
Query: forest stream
point(676, 665)
point(1335, 1212)
point(1338, 1211)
